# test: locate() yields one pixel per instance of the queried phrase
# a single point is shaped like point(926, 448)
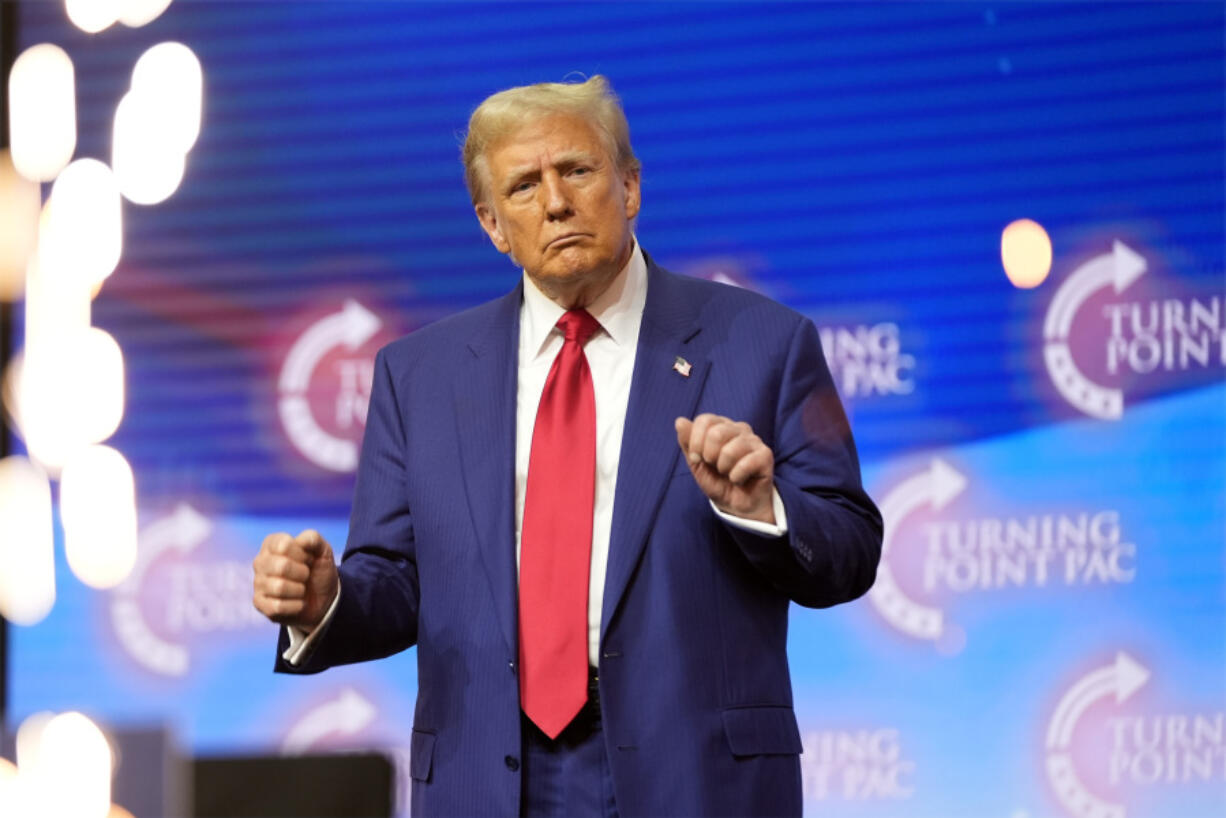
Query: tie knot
point(578, 325)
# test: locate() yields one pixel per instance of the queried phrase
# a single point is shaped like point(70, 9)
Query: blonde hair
point(503, 112)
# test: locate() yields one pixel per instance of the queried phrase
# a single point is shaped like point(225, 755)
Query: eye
point(580, 171)
point(521, 187)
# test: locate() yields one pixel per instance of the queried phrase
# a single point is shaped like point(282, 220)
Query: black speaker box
point(311, 786)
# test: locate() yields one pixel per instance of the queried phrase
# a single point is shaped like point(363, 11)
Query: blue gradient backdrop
point(855, 161)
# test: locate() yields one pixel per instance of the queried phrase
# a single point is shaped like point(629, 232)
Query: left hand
point(731, 465)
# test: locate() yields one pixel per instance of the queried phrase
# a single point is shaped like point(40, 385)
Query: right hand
point(295, 579)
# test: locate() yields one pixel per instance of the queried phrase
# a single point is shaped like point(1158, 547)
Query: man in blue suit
point(597, 585)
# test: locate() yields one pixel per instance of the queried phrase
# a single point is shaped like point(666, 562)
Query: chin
point(572, 266)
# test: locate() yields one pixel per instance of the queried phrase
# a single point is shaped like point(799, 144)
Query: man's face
point(557, 203)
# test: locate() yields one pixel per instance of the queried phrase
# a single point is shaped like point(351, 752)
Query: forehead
point(545, 140)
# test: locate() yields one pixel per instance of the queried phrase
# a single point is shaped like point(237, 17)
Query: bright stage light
point(42, 112)
point(27, 558)
point(157, 122)
point(44, 399)
point(8, 788)
point(98, 508)
point(73, 773)
point(92, 16)
point(147, 163)
point(170, 74)
point(29, 743)
point(83, 235)
point(1025, 252)
point(66, 390)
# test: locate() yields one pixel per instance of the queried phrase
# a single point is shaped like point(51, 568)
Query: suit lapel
point(485, 394)
point(659, 393)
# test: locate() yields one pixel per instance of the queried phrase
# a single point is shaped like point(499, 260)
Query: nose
point(557, 197)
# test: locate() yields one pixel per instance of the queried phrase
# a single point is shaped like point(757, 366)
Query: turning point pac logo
point(1136, 338)
point(863, 764)
point(330, 723)
point(324, 386)
point(170, 601)
point(932, 550)
point(1098, 758)
point(933, 488)
point(868, 360)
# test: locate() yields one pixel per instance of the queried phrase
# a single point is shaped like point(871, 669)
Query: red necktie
point(556, 542)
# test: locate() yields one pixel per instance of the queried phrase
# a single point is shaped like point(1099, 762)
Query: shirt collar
point(619, 309)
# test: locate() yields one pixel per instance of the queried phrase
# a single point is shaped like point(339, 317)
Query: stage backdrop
point(1046, 637)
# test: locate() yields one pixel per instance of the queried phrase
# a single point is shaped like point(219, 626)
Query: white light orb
point(42, 112)
point(1025, 253)
point(83, 235)
point(74, 768)
point(148, 164)
point(170, 75)
point(27, 557)
point(92, 16)
point(98, 509)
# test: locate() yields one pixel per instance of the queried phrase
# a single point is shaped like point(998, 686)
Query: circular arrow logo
point(1118, 269)
point(1118, 680)
point(181, 531)
point(346, 715)
point(933, 488)
point(347, 329)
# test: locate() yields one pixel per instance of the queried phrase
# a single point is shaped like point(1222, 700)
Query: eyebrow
point(572, 157)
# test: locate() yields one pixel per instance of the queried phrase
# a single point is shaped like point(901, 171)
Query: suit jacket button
point(512, 763)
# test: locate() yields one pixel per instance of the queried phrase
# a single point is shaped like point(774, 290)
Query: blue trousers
point(568, 777)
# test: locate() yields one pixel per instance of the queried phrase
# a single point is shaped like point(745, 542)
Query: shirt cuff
point(302, 643)
point(764, 529)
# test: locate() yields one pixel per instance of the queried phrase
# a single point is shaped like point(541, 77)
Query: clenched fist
point(295, 579)
point(731, 465)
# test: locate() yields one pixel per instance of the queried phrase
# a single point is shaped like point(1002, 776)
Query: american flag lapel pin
point(682, 366)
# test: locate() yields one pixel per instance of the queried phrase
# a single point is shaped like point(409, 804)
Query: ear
point(489, 223)
point(630, 184)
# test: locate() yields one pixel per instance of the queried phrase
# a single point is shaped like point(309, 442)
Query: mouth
point(565, 240)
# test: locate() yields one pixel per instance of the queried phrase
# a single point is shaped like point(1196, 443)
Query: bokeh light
point(98, 509)
point(73, 774)
point(8, 787)
point(27, 558)
point(42, 112)
point(148, 165)
point(83, 234)
point(92, 16)
point(171, 76)
point(1025, 252)
point(49, 386)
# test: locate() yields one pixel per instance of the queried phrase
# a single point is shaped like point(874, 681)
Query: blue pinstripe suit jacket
point(694, 687)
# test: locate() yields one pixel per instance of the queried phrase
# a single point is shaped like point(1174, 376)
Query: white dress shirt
point(610, 356)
